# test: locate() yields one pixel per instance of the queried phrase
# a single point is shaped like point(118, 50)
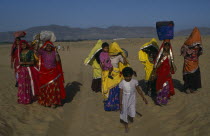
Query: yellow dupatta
point(108, 83)
point(92, 61)
point(143, 57)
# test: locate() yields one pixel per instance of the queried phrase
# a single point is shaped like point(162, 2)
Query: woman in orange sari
point(191, 50)
point(51, 80)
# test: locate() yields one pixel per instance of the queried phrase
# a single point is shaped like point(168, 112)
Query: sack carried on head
point(165, 30)
point(19, 34)
point(47, 36)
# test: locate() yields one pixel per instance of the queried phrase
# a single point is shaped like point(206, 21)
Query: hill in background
point(65, 33)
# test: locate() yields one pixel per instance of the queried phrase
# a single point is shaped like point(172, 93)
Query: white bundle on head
point(47, 36)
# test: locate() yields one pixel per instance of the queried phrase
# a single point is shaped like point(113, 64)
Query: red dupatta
point(47, 76)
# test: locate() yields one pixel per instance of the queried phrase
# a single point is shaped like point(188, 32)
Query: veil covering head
point(194, 38)
point(114, 49)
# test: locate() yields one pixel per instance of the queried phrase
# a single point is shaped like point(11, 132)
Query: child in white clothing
point(128, 88)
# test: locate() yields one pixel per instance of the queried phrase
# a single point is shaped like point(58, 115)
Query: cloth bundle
point(47, 36)
point(19, 34)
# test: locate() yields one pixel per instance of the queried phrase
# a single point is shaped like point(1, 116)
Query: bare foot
point(126, 130)
point(188, 91)
point(53, 106)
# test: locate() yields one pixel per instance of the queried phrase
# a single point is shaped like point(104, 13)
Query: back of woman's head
point(127, 71)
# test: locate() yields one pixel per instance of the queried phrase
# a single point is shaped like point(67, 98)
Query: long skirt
point(192, 81)
point(24, 86)
point(113, 101)
point(96, 85)
point(162, 95)
point(50, 94)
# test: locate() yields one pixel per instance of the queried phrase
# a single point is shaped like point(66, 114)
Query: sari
point(147, 60)
point(51, 79)
point(191, 70)
point(94, 61)
point(28, 77)
point(110, 87)
point(164, 83)
point(15, 53)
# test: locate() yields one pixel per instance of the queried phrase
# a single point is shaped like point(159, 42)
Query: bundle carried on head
point(19, 34)
point(47, 36)
point(165, 30)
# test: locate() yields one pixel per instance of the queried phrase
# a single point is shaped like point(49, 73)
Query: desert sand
point(83, 114)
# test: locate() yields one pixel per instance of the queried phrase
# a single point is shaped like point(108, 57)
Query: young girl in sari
point(51, 80)
point(128, 88)
point(164, 67)
point(25, 81)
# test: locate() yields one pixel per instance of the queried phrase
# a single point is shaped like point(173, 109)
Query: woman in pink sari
point(25, 70)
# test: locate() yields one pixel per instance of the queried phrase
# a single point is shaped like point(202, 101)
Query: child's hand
point(145, 100)
point(120, 107)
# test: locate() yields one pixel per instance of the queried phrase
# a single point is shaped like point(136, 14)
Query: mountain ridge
point(65, 33)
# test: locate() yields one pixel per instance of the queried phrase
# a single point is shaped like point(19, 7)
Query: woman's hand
point(21, 63)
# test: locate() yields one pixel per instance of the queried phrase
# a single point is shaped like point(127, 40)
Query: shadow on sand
point(71, 90)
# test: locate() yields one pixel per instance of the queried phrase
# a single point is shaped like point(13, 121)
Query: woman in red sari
point(15, 51)
point(164, 67)
point(51, 80)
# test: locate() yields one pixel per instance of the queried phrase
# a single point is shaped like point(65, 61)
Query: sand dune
point(83, 113)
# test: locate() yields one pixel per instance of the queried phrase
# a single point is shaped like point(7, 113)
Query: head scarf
point(161, 52)
point(93, 52)
point(194, 38)
point(27, 45)
point(114, 49)
point(46, 43)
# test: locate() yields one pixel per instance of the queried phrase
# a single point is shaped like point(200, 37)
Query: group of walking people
point(112, 74)
point(38, 73)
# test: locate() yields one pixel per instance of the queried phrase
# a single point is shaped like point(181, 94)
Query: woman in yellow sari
point(147, 55)
point(93, 60)
point(110, 88)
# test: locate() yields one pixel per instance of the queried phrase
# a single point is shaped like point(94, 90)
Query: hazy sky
point(22, 14)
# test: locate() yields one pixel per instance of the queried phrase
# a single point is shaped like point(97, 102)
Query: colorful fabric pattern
point(162, 95)
point(113, 101)
point(24, 86)
point(105, 61)
point(50, 94)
